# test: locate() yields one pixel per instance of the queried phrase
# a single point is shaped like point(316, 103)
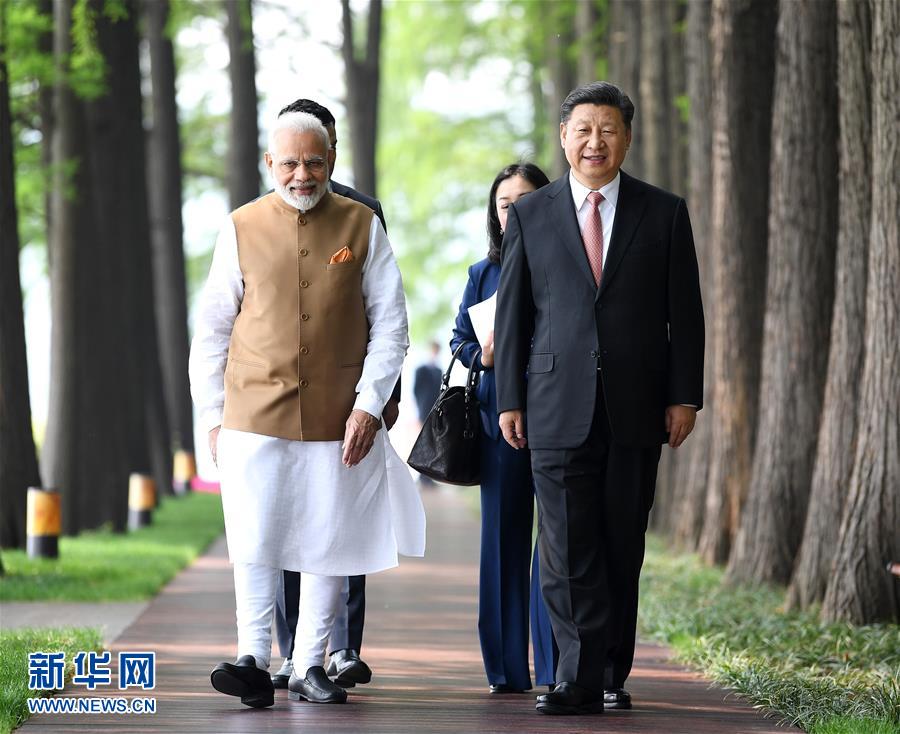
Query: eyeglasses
point(313, 165)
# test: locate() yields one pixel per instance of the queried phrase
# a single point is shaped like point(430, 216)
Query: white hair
point(298, 122)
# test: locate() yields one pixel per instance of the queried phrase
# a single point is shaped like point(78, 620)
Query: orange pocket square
point(342, 256)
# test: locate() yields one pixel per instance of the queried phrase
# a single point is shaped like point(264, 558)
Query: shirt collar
point(579, 191)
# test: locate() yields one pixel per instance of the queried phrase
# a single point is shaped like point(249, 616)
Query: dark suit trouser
point(347, 631)
point(594, 502)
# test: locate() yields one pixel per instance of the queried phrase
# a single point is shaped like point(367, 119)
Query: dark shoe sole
point(280, 681)
point(555, 709)
point(353, 675)
point(295, 696)
point(233, 684)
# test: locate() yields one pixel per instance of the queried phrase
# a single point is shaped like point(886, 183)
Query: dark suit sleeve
point(463, 331)
point(514, 321)
point(686, 327)
point(380, 214)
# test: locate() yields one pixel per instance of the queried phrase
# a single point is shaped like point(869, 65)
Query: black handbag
point(447, 448)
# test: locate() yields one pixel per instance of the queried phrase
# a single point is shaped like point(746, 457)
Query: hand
point(214, 444)
point(487, 350)
point(390, 413)
point(359, 436)
point(512, 425)
point(679, 423)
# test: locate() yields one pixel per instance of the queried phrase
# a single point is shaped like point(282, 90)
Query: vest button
point(301, 219)
point(304, 252)
point(304, 350)
point(304, 383)
point(304, 317)
point(304, 284)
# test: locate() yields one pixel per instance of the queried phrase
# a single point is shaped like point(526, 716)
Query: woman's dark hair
point(531, 173)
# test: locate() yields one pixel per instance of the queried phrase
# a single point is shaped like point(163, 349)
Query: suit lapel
point(629, 210)
point(566, 221)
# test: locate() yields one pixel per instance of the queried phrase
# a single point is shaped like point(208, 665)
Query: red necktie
point(593, 236)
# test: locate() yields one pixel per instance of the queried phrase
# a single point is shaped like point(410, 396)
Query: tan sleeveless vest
point(299, 341)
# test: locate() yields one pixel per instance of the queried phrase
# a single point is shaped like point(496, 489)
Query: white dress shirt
point(607, 207)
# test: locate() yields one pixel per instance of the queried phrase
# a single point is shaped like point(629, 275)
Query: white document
point(482, 316)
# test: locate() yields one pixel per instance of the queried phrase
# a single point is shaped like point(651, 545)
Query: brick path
point(422, 644)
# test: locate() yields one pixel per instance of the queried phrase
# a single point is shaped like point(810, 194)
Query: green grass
point(825, 678)
point(14, 649)
point(106, 566)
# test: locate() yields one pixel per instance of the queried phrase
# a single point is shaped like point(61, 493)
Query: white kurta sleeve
point(385, 304)
point(219, 305)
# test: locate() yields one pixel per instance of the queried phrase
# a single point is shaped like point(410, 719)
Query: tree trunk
point(837, 434)
point(587, 19)
point(116, 123)
point(562, 78)
point(363, 76)
point(675, 68)
point(799, 291)
point(164, 183)
point(81, 449)
point(18, 461)
point(655, 108)
point(624, 68)
point(859, 589)
point(743, 62)
point(243, 147)
point(694, 460)
point(45, 105)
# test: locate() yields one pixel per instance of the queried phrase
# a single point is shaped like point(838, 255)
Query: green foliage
point(14, 649)
point(106, 566)
point(808, 672)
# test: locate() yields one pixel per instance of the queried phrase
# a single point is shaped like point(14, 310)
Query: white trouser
point(254, 591)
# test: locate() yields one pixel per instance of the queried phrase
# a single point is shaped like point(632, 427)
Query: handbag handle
point(471, 378)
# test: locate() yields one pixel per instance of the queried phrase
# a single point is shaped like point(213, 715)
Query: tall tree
point(165, 192)
point(587, 36)
point(81, 456)
point(243, 144)
point(859, 589)
point(837, 434)
point(362, 71)
point(18, 460)
point(559, 41)
point(677, 73)
point(694, 462)
point(743, 57)
point(624, 68)
point(799, 291)
point(115, 120)
point(655, 94)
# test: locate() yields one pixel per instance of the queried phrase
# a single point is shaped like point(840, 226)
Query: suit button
point(304, 383)
point(304, 252)
point(304, 284)
point(594, 354)
point(304, 317)
point(304, 350)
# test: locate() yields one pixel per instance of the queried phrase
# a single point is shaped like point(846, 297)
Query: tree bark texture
point(18, 461)
point(677, 73)
point(116, 123)
point(363, 73)
point(652, 127)
point(694, 460)
point(624, 67)
point(164, 184)
point(837, 434)
point(561, 80)
point(243, 148)
point(860, 590)
point(587, 19)
point(799, 291)
point(82, 450)
point(743, 51)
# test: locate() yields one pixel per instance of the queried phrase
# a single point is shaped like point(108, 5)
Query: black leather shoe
point(281, 678)
point(503, 688)
point(242, 678)
point(616, 698)
point(315, 688)
point(347, 669)
point(569, 699)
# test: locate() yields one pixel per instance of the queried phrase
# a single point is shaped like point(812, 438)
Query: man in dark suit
point(427, 383)
point(599, 298)
point(345, 665)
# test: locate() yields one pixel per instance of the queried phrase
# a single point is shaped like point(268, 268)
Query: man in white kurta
point(288, 378)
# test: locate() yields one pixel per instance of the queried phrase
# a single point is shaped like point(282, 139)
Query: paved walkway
point(422, 644)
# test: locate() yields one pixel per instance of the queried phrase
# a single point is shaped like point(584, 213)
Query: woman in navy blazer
point(507, 492)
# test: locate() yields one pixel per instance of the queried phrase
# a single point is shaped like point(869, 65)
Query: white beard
point(303, 202)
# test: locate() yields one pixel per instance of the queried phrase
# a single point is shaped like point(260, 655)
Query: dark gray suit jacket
point(643, 327)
